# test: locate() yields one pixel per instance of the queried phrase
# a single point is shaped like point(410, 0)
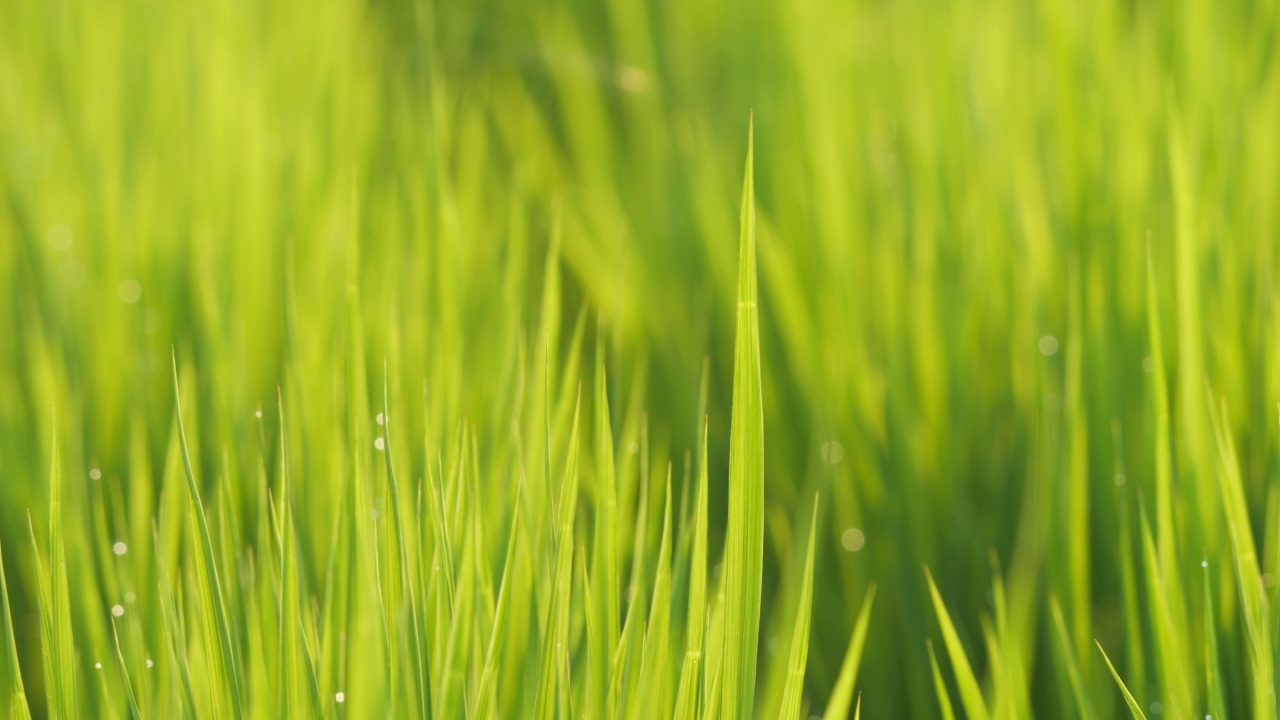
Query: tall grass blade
point(940, 686)
point(16, 695)
point(687, 692)
point(799, 656)
point(970, 692)
point(1128, 696)
point(744, 537)
point(212, 593)
point(842, 693)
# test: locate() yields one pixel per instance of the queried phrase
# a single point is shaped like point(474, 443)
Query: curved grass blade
point(213, 592)
point(744, 540)
point(842, 693)
point(1083, 707)
point(970, 691)
point(124, 672)
point(939, 685)
point(1128, 696)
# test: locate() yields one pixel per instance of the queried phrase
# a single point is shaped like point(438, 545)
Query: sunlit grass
point(396, 358)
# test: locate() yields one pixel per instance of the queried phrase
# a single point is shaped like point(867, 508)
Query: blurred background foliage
point(957, 199)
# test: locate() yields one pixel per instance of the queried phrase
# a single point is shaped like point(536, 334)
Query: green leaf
point(604, 553)
point(687, 693)
point(799, 655)
point(1083, 707)
point(555, 644)
point(211, 593)
point(939, 685)
point(16, 699)
point(1128, 697)
point(970, 692)
point(842, 693)
point(744, 540)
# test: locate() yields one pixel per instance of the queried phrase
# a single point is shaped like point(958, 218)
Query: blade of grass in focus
point(744, 536)
point(1128, 696)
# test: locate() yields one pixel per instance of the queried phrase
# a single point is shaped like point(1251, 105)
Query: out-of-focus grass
point(1016, 300)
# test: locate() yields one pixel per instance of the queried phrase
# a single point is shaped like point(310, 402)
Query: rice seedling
point(400, 358)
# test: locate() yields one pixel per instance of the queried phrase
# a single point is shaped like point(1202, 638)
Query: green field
point(640, 358)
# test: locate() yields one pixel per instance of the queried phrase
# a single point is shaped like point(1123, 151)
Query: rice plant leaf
point(604, 569)
point(124, 672)
point(1212, 667)
point(1128, 696)
point(405, 595)
point(653, 669)
point(970, 692)
point(213, 593)
point(55, 604)
point(16, 693)
point(488, 678)
point(799, 656)
point(744, 538)
point(939, 685)
point(1083, 706)
point(842, 693)
point(687, 692)
point(556, 641)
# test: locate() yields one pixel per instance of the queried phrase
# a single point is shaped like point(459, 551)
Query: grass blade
point(17, 695)
point(213, 593)
point(939, 685)
point(970, 692)
point(1083, 707)
point(604, 570)
point(1128, 696)
point(744, 541)
point(686, 694)
point(556, 640)
point(791, 693)
point(842, 693)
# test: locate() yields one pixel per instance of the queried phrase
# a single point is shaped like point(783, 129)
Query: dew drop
point(119, 548)
point(1048, 345)
point(95, 474)
point(380, 444)
point(340, 697)
point(117, 610)
point(149, 663)
point(381, 420)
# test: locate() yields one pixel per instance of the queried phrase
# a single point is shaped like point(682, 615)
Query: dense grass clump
point(394, 358)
